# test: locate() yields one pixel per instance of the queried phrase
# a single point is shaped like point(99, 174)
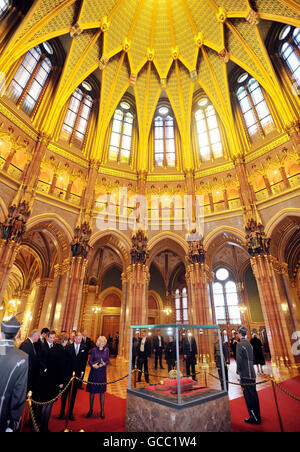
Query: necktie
point(77, 350)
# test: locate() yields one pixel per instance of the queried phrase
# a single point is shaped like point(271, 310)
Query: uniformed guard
point(13, 377)
point(245, 369)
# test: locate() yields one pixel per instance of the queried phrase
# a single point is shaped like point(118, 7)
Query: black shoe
point(71, 417)
point(89, 414)
point(252, 420)
point(60, 416)
point(102, 416)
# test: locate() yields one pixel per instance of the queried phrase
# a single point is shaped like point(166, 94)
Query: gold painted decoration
point(252, 17)
point(224, 55)
point(221, 15)
point(175, 53)
point(126, 45)
point(75, 31)
point(199, 39)
point(103, 63)
point(150, 54)
point(105, 24)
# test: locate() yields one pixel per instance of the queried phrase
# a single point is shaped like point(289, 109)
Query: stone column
point(123, 316)
point(8, 252)
point(53, 184)
point(284, 177)
point(42, 286)
point(137, 276)
point(271, 301)
point(74, 291)
point(246, 193)
point(200, 312)
point(80, 250)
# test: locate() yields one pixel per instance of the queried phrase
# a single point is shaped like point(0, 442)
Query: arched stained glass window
point(289, 50)
point(77, 118)
point(256, 113)
point(121, 135)
point(27, 85)
point(226, 299)
point(164, 139)
point(209, 138)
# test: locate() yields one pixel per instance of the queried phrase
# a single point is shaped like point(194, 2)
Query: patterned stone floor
point(118, 369)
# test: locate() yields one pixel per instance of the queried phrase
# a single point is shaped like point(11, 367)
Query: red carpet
point(114, 409)
point(289, 410)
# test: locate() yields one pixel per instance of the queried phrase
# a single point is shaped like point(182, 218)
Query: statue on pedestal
point(14, 226)
point(80, 244)
point(139, 253)
point(257, 241)
point(196, 253)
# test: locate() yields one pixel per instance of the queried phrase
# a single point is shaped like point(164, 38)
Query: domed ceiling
point(150, 47)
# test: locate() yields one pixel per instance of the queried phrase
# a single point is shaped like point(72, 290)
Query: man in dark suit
point(135, 344)
point(75, 362)
point(42, 339)
point(190, 352)
point(143, 353)
point(33, 362)
point(45, 348)
point(86, 341)
point(158, 348)
point(13, 377)
point(245, 369)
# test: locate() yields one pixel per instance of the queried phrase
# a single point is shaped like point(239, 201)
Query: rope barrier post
point(277, 408)
point(205, 378)
point(25, 411)
point(69, 402)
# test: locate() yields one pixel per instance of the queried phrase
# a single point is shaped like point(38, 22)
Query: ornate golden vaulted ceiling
point(161, 44)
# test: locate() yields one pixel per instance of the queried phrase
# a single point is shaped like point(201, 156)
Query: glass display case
point(177, 365)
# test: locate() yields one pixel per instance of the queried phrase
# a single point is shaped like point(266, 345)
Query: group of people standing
point(44, 364)
point(142, 348)
point(246, 354)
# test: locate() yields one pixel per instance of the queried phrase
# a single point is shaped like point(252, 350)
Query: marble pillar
point(137, 283)
point(278, 335)
point(200, 312)
point(8, 252)
point(74, 291)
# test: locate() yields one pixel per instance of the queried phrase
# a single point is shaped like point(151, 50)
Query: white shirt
point(142, 348)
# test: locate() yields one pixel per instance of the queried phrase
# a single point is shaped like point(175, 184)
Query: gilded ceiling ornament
point(103, 63)
point(126, 45)
point(132, 79)
point(193, 75)
point(150, 54)
point(75, 30)
point(104, 24)
point(252, 17)
point(163, 82)
point(175, 53)
point(224, 55)
point(199, 39)
point(221, 15)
